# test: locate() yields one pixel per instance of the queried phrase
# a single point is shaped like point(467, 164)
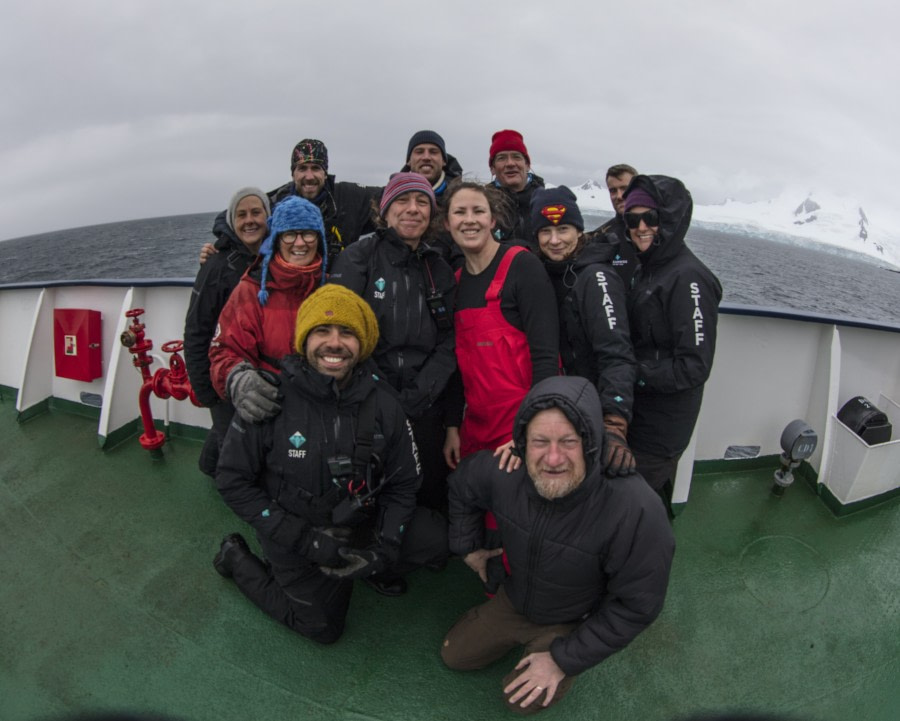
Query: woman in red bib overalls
point(507, 327)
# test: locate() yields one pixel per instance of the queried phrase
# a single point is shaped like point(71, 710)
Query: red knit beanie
point(508, 140)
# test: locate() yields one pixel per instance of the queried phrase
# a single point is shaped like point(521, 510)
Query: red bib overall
point(495, 364)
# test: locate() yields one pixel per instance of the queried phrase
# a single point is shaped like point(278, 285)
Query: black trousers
point(429, 432)
point(659, 473)
point(221, 414)
point(293, 591)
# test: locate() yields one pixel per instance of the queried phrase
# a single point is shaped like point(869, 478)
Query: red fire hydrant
point(171, 382)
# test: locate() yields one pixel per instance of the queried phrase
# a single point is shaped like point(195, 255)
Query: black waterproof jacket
point(598, 557)
point(520, 233)
point(416, 356)
point(625, 259)
point(673, 309)
point(275, 475)
point(594, 340)
point(218, 276)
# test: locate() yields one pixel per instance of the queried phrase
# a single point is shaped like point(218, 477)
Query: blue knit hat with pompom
point(292, 213)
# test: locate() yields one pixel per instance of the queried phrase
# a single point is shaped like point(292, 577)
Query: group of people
point(444, 366)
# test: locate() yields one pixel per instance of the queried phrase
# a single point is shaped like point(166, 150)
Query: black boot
point(386, 583)
point(233, 548)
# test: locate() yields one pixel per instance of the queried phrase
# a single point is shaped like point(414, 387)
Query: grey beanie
point(239, 196)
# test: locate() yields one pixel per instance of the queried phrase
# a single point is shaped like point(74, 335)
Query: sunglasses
point(289, 237)
point(650, 218)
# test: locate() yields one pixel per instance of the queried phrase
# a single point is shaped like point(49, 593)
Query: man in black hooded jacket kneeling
point(589, 555)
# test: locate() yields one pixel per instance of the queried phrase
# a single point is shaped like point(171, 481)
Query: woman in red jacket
point(257, 323)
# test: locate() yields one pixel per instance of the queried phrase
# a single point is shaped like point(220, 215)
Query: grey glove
point(323, 545)
point(360, 564)
point(254, 395)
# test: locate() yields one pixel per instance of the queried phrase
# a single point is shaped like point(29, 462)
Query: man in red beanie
point(511, 167)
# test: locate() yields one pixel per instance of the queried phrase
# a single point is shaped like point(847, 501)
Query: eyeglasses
point(650, 218)
point(289, 237)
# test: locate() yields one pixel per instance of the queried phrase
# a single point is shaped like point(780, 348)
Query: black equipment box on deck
point(865, 420)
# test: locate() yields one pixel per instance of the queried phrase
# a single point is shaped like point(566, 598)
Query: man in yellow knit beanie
point(329, 484)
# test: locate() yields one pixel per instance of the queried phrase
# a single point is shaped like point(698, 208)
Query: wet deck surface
point(108, 600)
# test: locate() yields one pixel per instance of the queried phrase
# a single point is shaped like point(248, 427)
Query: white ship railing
point(772, 365)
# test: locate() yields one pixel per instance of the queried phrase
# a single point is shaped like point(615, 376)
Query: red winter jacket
point(260, 334)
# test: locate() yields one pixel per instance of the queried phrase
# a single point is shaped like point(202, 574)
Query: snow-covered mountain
point(838, 224)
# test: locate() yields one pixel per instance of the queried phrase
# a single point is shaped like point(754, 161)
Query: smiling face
point(554, 454)
point(511, 170)
point(333, 350)
point(309, 179)
point(642, 234)
point(470, 221)
point(250, 221)
point(409, 215)
point(426, 159)
point(558, 242)
point(617, 185)
point(298, 247)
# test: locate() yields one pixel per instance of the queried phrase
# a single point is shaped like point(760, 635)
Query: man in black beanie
point(427, 155)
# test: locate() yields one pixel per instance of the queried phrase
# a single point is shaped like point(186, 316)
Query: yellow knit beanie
point(337, 305)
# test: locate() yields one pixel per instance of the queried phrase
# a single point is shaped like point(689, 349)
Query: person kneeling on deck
point(589, 555)
point(329, 485)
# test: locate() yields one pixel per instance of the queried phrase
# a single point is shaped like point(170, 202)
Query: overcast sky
point(120, 110)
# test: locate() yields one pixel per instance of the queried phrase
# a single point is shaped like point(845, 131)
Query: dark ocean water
point(753, 270)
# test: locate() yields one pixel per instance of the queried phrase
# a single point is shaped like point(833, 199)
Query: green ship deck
point(109, 601)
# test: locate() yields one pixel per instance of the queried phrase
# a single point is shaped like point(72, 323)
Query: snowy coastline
point(835, 224)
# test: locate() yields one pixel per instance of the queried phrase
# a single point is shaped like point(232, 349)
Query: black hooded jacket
point(625, 260)
point(218, 276)
point(673, 310)
point(274, 475)
point(598, 557)
point(416, 356)
point(520, 233)
point(594, 340)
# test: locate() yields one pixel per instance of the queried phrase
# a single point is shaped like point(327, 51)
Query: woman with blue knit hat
point(256, 326)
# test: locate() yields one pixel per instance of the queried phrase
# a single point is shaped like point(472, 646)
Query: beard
point(554, 488)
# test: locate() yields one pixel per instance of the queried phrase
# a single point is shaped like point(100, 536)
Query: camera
point(437, 304)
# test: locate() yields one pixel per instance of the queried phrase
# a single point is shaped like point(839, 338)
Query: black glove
point(253, 393)
point(360, 564)
point(619, 459)
point(323, 546)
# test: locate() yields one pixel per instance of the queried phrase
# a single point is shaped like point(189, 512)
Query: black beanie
point(554, 206)
point(426, 136)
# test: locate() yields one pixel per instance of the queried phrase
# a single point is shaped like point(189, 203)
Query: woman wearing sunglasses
point(672, 309)
point(256, 325)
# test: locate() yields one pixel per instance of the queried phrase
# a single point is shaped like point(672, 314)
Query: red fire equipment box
point(76, 343)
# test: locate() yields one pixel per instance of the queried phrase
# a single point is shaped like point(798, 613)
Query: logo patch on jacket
point(553, 213)
point(297, 440)
point(379, 288)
